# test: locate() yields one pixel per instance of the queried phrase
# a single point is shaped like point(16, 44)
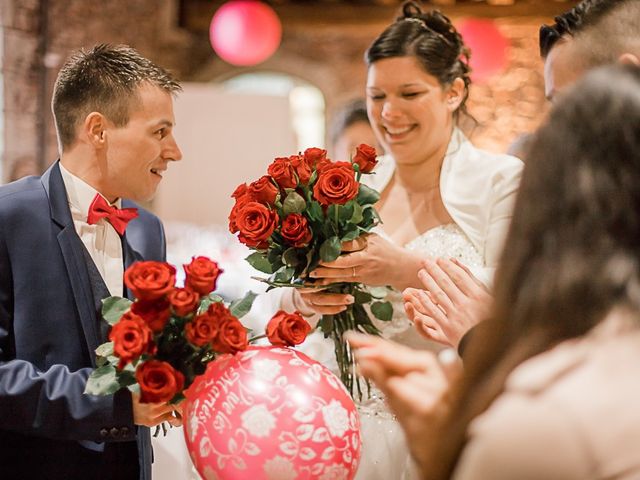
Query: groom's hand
point(152, 414)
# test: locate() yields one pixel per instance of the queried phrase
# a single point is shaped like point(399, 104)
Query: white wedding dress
point(478, 190)
point(385, 455)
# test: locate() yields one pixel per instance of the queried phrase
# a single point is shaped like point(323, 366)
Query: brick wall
point(38, 39)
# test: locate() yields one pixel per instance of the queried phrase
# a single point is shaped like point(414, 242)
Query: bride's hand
point(371, 260)
point(322, 303)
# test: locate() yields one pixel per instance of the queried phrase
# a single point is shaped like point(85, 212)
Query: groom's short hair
point(104, 79)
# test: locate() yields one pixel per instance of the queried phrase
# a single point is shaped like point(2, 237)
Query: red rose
point(219, 311)
point(202, 274)
point(256, 223)
point(263, 190)
point(313, 156)
point(131, 338)
point(365, 157)
point(295, 230)
point(155, 313)
point(150, 280)
point(184, 301)
point(287, 329)
point(301, 167)
point(240, 191)
point(322, 164)
point(283, 173)
point(202, 329)
point(243, 195)
point(232, 336)
point(336, 184)
point(159, 381)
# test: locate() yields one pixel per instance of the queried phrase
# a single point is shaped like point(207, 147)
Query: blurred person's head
point(571, 256)
point(593, 33)
point(417, 84)
point(113, 111)
point(350, 127)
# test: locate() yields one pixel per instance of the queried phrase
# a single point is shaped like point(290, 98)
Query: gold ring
point(354, 271)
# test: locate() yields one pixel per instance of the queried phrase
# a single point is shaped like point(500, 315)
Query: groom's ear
point(94, 129)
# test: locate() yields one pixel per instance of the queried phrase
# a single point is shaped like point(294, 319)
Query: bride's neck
point(423, 175)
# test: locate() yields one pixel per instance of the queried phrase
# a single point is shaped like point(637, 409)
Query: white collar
point(80, 194)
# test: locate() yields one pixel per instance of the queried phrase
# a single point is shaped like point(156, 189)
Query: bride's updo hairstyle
point(432, 39)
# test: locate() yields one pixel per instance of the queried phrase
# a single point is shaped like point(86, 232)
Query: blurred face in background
point(352, 136)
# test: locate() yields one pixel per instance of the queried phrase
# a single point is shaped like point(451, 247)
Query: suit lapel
point(130, 256)
point(72, 252)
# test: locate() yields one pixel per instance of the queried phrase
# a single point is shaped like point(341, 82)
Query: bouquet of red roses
point(163, 340)
point(298, 216)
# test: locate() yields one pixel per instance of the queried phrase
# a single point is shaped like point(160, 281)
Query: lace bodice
point(442, 241)
point(447, 241)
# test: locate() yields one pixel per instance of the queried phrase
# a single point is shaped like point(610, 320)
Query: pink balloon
point(245, 32)
point(489, 48)
point(271, 413)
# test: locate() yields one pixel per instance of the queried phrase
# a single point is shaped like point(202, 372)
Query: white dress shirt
point(101, 239)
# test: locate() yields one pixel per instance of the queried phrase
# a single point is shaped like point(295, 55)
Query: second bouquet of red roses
point(297, 216)
point(163, 340)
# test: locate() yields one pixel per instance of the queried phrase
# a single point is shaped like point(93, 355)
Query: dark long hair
point(573, 250)
point(432, 39)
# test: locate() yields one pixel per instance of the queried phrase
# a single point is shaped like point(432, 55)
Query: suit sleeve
point(51, 403)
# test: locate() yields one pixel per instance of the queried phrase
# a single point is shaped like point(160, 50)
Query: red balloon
point(245, 32)
point(271, 413)
point(489, 48)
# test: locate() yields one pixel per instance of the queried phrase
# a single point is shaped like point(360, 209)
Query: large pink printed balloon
point(245, 32)
point(271, 413)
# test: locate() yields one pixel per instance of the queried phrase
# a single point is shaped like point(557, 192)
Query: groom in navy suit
point(65, 240)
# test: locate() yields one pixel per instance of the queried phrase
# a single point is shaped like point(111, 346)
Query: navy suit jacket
point(49, 329)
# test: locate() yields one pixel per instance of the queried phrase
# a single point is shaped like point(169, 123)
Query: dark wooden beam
point(195, 15)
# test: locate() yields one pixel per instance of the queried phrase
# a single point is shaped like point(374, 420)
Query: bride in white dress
point(440, 197)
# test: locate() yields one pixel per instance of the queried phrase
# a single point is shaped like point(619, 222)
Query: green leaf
point(258, 261)
point(367, 195)
point(382, 310)
point(205, 302)
point(290, 257)
point(284, 275)
point(294, 203)
point(105, 350)
point(126, 378)
point(239, 308)
point(315, 211)
point(362, 297)
point(330, 249)
point(113, 308)
point(346, 211)
point(357, 214)
point(102, 381)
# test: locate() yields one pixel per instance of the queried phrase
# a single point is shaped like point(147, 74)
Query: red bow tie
point(117, 217)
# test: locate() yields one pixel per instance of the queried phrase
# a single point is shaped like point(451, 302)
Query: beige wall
point(226, 139)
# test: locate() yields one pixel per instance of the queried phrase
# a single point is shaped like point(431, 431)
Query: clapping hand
point(453, 301)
